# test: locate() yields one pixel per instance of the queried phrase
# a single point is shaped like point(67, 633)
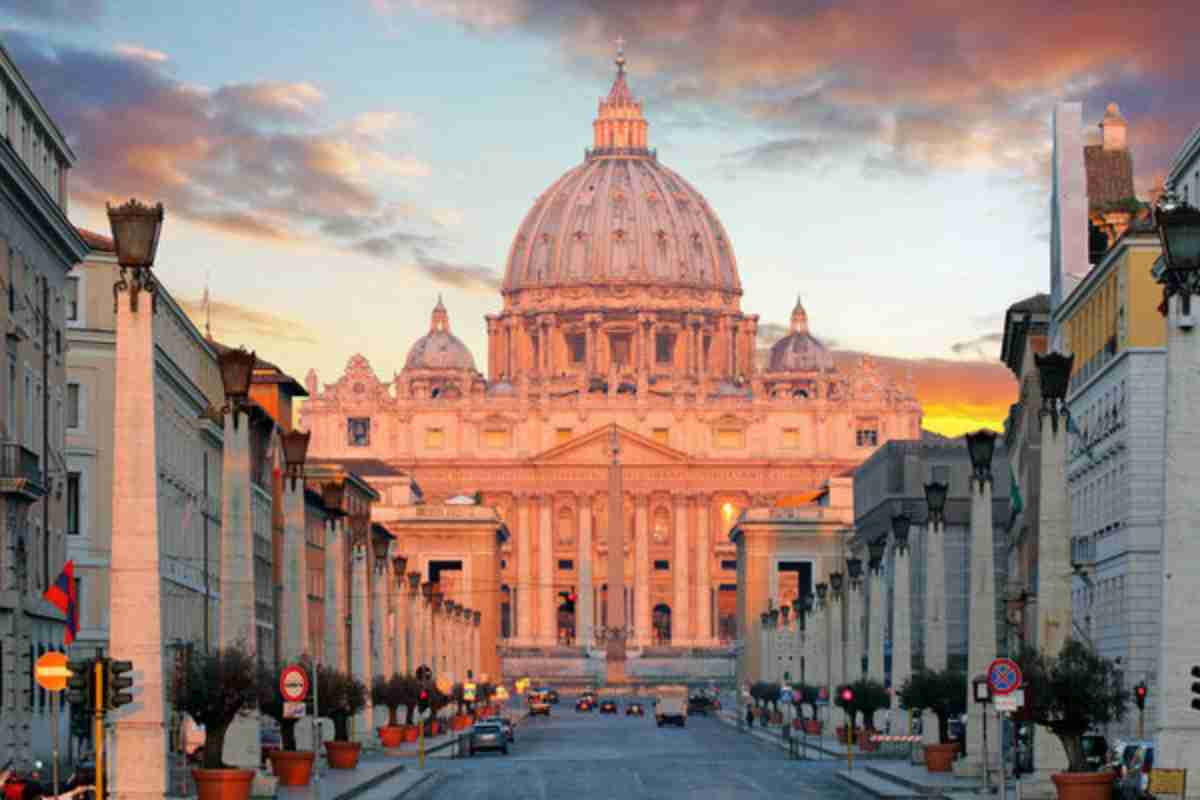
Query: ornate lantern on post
point(237, 369)
point(875, 552)
point(136, 228)
point(822, 589)
point(1179, 230)
point(295, 451)
point(1054, 374)
point(399, 565)
point(414, 582)
point(854, 568)
point(935, 501)
point(901, 523)
point(835, 583)
point(981, 445)
point(332, 495)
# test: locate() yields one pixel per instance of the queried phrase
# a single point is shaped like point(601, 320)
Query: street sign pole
point(318, 743)
point(54, 721)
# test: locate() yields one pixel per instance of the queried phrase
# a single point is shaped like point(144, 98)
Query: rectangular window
point(662, 435)
point(791, 438)
point(619, 345)
point(562, 435)
point(73, 503)
point(435, 438)
point(358, 431)
point(662, 565)
point(71, 292)
point(566, 564)
point(729, 564)
point(495, 438)
point(731, 438)
point(664, 348)
point(577, 347)
point(72, 406)
point(866, 437)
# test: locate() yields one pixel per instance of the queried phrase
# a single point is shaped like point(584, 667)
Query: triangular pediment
point(595, 447)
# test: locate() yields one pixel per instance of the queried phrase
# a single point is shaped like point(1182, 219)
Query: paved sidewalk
point(373, 772)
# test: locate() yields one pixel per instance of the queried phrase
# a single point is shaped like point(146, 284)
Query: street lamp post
point(876, 614)
point(854, 621)
point(837, 632)
point(135, 599)
point(981, 599)
point(935, 594)
point(1178, 270)
point(399, 606)
point(293, 611)
point(901, 610)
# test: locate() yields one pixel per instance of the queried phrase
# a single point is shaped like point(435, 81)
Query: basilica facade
point(620, 311)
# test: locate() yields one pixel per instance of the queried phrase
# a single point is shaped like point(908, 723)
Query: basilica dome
point(799, 351)
point(621, 217)
point(439, 349)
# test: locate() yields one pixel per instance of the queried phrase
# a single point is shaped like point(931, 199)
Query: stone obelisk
point(615, 654)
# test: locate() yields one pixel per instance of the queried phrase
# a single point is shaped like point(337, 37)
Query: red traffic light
point(424, 695)
point(1141, 691)
point(847, 695)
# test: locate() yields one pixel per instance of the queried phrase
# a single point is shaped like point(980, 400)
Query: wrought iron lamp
point(935, 501)
point(135, 229)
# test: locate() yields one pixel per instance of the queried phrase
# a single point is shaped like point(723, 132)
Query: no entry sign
point(293, 685)
point(1004, 676)
point(51, 672)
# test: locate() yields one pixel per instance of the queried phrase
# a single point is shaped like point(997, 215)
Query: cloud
point(254, 159)
point(908, 88)
point(232, 320)
point(136, 51)
point(470, 277)
point(981, 347)
point(65, 12)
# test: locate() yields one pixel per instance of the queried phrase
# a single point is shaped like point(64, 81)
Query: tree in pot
point(292, 767)
point(869, 697)
point(1070, 695)
point(438, 700)
point(409, 697)
point(944, 694)
point(391, 694)
point(805, 695)
point(341, 697)
point(213, 688)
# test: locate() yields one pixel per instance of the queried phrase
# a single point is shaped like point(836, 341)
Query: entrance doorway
point(661, 621)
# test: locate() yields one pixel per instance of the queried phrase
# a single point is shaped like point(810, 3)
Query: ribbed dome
point(439, 349)
point(799, 351)
point(621, 217)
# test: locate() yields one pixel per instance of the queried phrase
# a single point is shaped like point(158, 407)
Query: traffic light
point(80, 691)
point(1196, 688)
point(1139, 695)
point(116, 681)
point(424, 673)
point(847, 695)
point(423, 701)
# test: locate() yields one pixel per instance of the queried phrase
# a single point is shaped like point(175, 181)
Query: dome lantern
point(619, 128)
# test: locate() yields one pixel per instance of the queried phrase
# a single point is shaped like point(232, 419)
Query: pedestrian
point(749, 716)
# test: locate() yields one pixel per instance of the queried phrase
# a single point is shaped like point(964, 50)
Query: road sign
point(785, 695)
point(1005, 703)
point(823, 696)
point(293, 684)
point(51, 672)
point(293, 710)
point(1004, 676)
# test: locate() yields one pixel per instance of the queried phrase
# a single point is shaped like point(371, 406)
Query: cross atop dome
point(799, 318)
point(619, 125)
point(440, 320)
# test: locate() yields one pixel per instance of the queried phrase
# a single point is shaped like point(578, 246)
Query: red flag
point(61, 595)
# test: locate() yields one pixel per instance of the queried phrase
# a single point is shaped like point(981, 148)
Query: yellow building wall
point(1146, 328)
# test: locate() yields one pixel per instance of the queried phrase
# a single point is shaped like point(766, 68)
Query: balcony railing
point(20, 474)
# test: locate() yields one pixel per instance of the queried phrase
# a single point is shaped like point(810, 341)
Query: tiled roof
point(96, 241)
point(364, 467)
point(1109, 175)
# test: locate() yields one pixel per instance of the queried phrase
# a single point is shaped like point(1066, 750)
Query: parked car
point(589, 695)
point(1135, 784)
point(583, 704)
point(487, 735)
point(701, 704)
point(608, 707)
point(635, 710)
point(510, 732)
point(538, 705)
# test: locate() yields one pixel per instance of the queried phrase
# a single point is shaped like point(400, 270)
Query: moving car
point(701, 704)
point(635, 710)
point(583, 704)
point(590, 696)
point(538, 704)
point(551, 696)
point(510, 732)
point(608, 707)
point(671, 705)
point(487, 735)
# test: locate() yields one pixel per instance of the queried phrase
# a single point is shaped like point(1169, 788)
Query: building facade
point(38, 247)
point(1116, 453)
point(621, 304)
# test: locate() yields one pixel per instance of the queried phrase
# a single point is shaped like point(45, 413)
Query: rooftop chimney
point(1113, 130)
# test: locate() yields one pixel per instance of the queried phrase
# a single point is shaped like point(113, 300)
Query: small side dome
point(800, 351)
point(439, 349)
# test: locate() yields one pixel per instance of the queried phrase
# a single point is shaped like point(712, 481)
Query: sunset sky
point(330, 168)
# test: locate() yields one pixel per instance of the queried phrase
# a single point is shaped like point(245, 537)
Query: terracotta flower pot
point(223, 784)
point(940, 757)
point(391, 735)
point(411, 732)
point(812, 727)
point(797, 724)
point(343, 755)
point(1083, 785)
point(292, 768)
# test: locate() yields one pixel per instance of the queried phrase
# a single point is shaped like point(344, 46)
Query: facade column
point(680, 635)
point(237, 537)
point(433, 622)
point(1054, 611)
point(936, 653)
point(704, 589)
point(135, 599)
point(981, 648)
point(360, 631)
point(293, 612)
point(398, 608)
point(901, 623)
point(875, 630)
point(1177, 730)
point(585, 617)
point(476, 649)
point(547, 612)
point(523, 592)
point(764, 647)
point(641, 571)
point(380, 652)
point(335, 590)
point(816, 648)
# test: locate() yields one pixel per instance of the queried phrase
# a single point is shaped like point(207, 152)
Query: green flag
point(1018, 503)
